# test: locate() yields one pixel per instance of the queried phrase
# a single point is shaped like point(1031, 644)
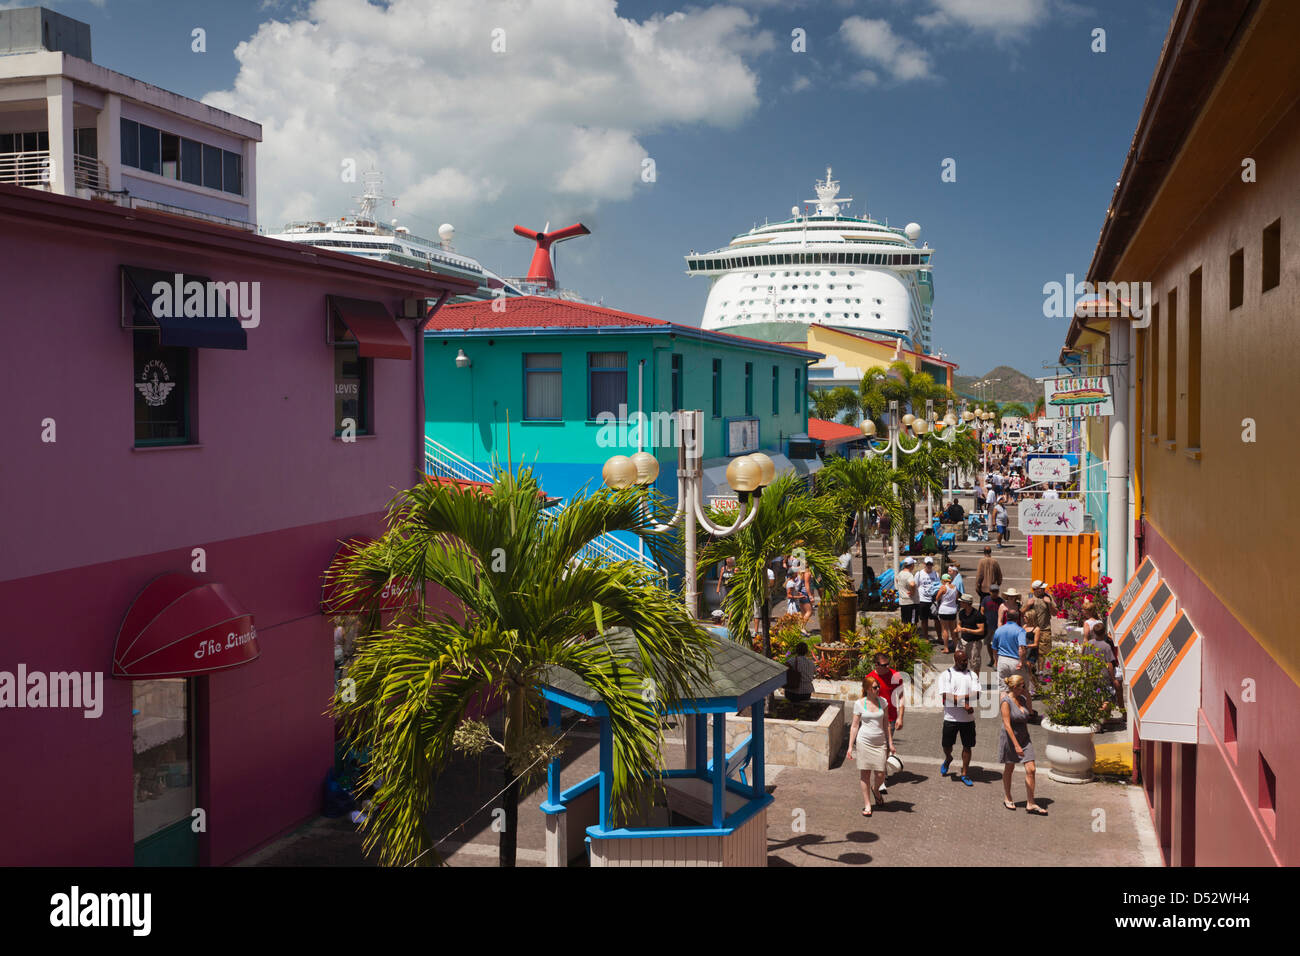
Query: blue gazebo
point(716, 813)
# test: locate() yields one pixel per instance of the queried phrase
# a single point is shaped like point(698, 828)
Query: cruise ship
point(363, 234)
point(821, 266)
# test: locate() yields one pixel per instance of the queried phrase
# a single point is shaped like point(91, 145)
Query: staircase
point(441, 460)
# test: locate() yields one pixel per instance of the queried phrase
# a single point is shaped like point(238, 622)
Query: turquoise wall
point(467, 408)
point(1095, 503)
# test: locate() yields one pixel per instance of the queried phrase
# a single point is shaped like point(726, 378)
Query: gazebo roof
point(736, 676)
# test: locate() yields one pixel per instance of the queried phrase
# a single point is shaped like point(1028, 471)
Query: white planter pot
point(1070, 752)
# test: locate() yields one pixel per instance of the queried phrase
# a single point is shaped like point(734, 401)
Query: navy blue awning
point(212, 321)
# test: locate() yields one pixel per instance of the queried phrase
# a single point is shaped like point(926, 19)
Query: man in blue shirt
point(1009, 643)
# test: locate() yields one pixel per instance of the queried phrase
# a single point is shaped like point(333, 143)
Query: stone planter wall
point(811, 745)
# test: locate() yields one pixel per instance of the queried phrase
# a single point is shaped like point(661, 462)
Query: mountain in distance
point(1015, 386)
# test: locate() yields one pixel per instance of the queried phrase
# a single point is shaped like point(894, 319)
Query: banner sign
point(1047, 468)
point(1051, 516)
point(742, 436)
point(1135, 584)
point(1078, 397)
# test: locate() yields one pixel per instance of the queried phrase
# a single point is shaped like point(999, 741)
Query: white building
point(72, 127)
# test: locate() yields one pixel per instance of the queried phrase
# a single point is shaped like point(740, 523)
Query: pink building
point(248, 447)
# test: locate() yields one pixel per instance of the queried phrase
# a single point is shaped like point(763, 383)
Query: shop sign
point(1078, 397)
point(1051, 516)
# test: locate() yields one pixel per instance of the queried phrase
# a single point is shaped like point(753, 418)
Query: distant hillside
point(1014, 387)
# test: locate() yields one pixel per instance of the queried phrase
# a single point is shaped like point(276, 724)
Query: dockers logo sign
point(214, 300)
point(154, 383)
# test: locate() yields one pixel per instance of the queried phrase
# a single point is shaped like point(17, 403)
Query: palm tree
point(825, 404)
point(860, 486)
point(529, 598)
point(872, 400)
point(788, 518)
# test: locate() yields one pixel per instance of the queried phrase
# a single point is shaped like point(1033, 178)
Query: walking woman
point(871, 739)
point(1014, 745)
point(945, 600)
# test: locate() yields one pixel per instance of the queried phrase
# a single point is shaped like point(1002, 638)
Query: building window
point(85, 142)
point(543, 398)
point(1267, 794)
point(606, 383)
point(1153, 376)
point(1171, 368)
point(171, 156)
point(749, 388)
point(1230, 726)
point(150, 149)
point(1194, 360)
point(161, 390)
point(798, 390)
point(130, 143)
point(351, 389)
point(776, 389)
point(1236, 278)
point(717, 388)
point(211, 167)
point(192, 162)
point(1271, 260)
point(232, 173)
point(677, 383)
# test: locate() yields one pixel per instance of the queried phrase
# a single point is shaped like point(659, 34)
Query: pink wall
point(1229, 829)
point(89, 520)
point(264, 740)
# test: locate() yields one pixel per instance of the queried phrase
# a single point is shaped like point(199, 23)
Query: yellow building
point(849, 355)
point(1206, 218)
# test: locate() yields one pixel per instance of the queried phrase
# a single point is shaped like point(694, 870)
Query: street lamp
point(746, 474)
point(894, 444)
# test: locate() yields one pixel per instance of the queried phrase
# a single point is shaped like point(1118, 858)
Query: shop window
point(1171, 369)
point(1236, 278)
point(162, 755)
point(1267, 795)
point(352, 385)
point(606, 383)
point(1230, 726)
point(162, 392)
point(1271, 260)
point(1194, 361)
point(543, 394)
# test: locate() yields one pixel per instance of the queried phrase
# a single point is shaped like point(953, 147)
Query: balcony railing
point(35, 168)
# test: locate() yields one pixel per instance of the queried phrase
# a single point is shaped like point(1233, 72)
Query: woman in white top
point(873, 738)
point(946, 598)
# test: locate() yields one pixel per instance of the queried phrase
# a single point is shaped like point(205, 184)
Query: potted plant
point(1077, 700)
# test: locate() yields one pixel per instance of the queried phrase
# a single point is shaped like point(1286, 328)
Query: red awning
point(392, 597)
point(180, 626)
point(370, 325)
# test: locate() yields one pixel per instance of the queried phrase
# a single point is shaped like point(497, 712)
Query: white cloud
point(800, 83)
point(1004, 19)
point(553, 124)
point(876, 42)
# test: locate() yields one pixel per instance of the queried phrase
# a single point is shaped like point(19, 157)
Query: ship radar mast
point(827, 192)
point(372, 191)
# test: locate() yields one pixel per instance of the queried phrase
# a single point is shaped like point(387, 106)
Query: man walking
point(959, 691)
point(908, 601)
point(987, 573)
point(970, 631)
point(1009, 644)
point(1002, 521)
point(1038, 613)
point(928, 585)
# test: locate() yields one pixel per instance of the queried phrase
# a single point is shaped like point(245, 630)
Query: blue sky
point(738, 125)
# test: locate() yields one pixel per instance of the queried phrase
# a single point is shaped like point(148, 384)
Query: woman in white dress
point(873, 738)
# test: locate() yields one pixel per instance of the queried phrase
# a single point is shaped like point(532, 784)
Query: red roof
point(538, 312)
point(821, 430)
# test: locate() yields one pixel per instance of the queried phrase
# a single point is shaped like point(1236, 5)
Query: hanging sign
point(1051, 516)
point(1078, 397)
point(1047, 468)
point(1167, 687)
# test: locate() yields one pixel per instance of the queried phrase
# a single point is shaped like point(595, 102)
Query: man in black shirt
point(991, 605)
point(971, 628)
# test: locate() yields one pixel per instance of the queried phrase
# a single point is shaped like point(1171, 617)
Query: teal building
point(562, 386)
